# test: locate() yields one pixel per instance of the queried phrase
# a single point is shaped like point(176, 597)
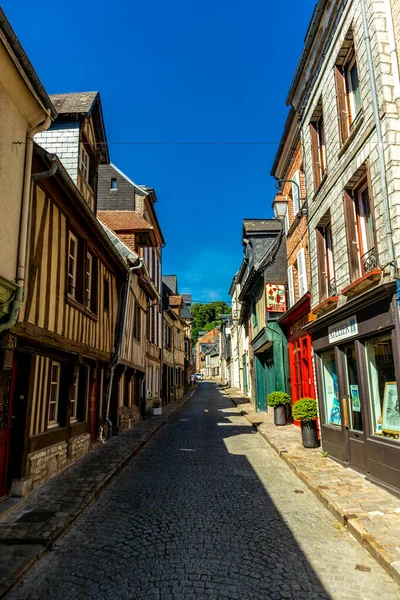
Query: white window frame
point(54, 422)
point(73, 401)
point(72, 274)
point(291, 286)
point(157, 381)
point(89, 278)
point(287, 220)
point(84, 162)
point(302, 272)
point(150, 379)
point(350, 90)
point(114, 188)
point(295, 194)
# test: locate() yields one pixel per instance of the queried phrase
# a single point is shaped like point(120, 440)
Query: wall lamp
point(279, 205)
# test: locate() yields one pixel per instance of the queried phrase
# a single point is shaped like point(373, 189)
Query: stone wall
point(128, 416)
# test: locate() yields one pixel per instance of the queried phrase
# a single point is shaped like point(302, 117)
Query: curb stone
point(350, 521)
point(19, 555)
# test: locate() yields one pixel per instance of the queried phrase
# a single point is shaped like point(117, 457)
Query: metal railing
point(368, 261)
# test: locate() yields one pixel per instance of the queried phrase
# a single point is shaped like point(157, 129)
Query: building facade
point(345, 93)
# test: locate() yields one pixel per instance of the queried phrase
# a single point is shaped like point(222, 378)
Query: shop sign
point(343, 330)
point(276, 297)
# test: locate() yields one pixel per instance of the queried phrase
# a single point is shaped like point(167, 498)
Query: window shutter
point(341, 104)
point(315, 155)
point(301, 265)
point(291, 286)
point(351, 233)
point(287, 220)
point(321, 258)
point(295, 194)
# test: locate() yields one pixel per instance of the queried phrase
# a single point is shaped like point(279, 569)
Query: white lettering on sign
point(343, 330)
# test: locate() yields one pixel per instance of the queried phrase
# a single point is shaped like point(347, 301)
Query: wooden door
point(7, 384)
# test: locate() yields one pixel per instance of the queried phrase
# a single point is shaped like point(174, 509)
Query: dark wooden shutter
point(95, 285)
point(321, 258)
point(315, 154)
point(341, 104)
point(351, 233)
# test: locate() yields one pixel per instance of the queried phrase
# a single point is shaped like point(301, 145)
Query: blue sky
point(181, 71)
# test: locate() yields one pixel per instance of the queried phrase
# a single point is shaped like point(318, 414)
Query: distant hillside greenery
point(206, 316)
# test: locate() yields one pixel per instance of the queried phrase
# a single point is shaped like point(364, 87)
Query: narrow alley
point(207, 510)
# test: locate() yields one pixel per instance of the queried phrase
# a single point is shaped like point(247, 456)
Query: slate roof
point(172, 282)
point(261, 225)
point(127, 220)
point(74, 102)
point(185, 312)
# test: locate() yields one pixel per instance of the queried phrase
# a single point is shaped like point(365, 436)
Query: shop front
point(357, 367)
point(299, 350)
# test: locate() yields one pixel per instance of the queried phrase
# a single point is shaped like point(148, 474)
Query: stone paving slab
point(50, 511)
point(370, 513)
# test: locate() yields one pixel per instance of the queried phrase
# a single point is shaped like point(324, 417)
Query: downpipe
point(119, 345)
point(382, 168)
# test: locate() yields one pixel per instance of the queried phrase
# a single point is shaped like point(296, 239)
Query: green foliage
point(278, 399)
point(206, 316)
point(305, 409)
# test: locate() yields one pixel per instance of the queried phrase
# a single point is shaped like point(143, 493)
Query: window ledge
point(362, 283)
point(75, 304)
point(351, 137)
point(325, 306)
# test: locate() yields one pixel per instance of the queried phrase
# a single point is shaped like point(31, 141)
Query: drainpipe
point(119, 345)
point(382, 167)
point(393, 54)
point(18, 299)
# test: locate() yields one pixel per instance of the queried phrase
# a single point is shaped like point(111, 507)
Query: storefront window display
point(382, 387)
point(331, 388)
point(353, 389)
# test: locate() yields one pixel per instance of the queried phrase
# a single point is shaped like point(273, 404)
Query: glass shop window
point(382, 387)
point(330, 388)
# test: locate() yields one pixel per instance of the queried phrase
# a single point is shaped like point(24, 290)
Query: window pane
point(355, 89)
point(353, 389)
point(330, 388)
point(385, 408)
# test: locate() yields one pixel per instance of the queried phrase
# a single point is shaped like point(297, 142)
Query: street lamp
point(279, 206)
point(303, 209)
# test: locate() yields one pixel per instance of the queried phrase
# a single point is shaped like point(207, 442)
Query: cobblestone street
point(207, 510)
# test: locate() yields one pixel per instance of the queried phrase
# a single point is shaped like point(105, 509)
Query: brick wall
point(63, 139)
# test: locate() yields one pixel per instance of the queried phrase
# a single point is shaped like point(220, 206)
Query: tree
point(206, 316)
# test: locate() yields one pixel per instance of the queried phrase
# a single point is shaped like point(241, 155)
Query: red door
point(93, 411)
point(301, 369)
point(7, 384)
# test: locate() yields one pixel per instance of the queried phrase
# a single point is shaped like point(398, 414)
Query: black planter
point(279, 415)
point(309, 434)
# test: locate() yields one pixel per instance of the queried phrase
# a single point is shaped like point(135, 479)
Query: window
point(385, 409)
point(287, 220)
point(113, 185)
point(84, 162)
point(187, 347)
point(326, 272)
point(157, 389)
point(72, 264)
point(353, 392)
point(150, 380)
point(330, 388)
point(296, 193)
point(89, 280)
point(302, 272)
point(52, 420)
point(178, 339)
point(106, 289)
point(347, 88)
point(168, 337)
point(137, 329)
point(318, 152)
point(291, 286)
point(360, 231)
point(73, 401)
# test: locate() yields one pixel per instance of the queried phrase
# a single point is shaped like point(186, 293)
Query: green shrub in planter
point(305, 410)
point(278, 399)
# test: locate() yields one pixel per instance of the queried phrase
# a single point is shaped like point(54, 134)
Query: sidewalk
point(48, 512)
point(369, 512)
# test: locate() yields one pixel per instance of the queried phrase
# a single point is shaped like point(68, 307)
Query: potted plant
point(156, 409)
point(305, 411)
point(278, 401)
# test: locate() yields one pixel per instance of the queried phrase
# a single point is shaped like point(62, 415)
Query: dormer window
point(114, 184)
point(84, 162)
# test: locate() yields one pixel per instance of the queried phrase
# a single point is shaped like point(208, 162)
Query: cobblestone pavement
point(207, 510)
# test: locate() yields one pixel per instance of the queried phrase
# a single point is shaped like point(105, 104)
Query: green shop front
point(356, 351)
point(270, 363)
